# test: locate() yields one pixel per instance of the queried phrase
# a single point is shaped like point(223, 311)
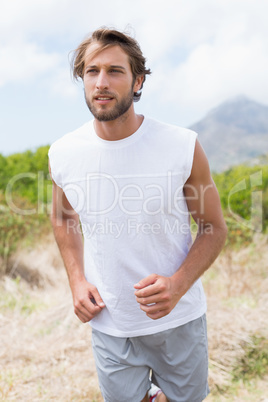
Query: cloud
point(225, 54)
point(24, 62)
point(63, 86)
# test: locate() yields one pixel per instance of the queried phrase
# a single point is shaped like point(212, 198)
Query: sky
point(201, 53)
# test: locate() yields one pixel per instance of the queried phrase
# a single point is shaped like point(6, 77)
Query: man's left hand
point(157, 295)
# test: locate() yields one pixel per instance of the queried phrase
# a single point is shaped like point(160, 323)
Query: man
point(128, 183)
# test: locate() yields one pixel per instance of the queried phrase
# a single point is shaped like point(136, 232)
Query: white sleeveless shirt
point(129, 197)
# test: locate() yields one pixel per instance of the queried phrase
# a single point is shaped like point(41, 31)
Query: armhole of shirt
point(190, 155)
point(52, 168)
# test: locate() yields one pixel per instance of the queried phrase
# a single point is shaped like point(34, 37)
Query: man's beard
point(120, 108)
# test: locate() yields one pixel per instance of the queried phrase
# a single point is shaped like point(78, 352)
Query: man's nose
point(102, 81)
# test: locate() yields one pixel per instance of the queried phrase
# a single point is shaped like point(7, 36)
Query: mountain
point(234, 132)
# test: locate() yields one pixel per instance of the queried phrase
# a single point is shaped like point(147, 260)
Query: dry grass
point(237, 293)
point(45, 351)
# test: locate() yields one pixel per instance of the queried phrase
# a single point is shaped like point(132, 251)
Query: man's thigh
point(179, 361)
point(122, 370)
point(177, 357)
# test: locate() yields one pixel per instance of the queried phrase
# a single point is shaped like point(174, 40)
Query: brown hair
point(111, 37)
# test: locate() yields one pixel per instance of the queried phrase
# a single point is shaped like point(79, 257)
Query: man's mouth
point(103, 99)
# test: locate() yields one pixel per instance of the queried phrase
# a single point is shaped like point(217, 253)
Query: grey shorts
point(177, 359)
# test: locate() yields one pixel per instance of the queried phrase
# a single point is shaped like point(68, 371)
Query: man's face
point(108, 82)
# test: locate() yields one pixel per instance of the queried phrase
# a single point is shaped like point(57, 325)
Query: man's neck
point(120, 128)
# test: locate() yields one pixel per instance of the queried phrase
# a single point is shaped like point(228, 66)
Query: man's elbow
point(57, 218)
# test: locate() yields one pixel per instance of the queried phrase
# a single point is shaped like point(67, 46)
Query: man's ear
point(138, 83)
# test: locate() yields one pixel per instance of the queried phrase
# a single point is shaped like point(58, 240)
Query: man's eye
point(91, 71)
point(113, 70)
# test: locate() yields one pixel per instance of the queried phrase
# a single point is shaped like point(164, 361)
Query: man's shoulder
point(71, 138)
point(171, 129)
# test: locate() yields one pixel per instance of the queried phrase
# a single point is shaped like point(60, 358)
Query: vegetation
point(26, 175)
point(244, 191)
point(25, 193)
point(254, 361)
point(244, 197)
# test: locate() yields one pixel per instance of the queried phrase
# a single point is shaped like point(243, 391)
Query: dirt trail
point(45, 352)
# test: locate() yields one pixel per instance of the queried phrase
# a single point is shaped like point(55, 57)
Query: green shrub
point(254, 362)
point(17, 228)
point(237, 188)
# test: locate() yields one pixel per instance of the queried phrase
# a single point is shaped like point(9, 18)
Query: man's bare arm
point(204, 204)
point(65, 222)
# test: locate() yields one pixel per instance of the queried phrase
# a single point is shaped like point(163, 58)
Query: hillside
point(234, 132)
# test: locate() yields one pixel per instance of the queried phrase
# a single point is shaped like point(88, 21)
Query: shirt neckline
point(123, 142)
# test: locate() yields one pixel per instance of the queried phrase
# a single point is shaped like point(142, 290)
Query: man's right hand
point(87, 301)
